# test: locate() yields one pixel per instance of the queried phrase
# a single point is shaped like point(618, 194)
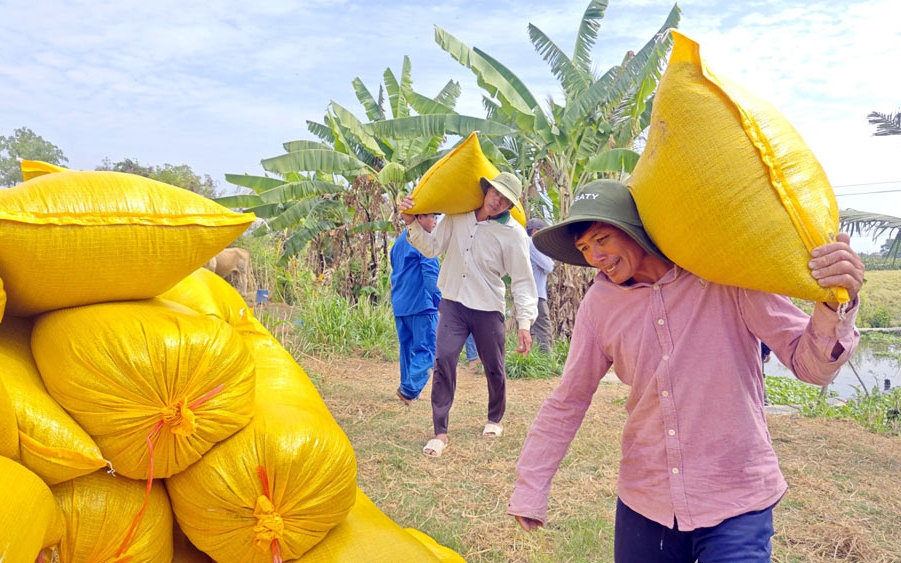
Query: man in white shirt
point(480, 247)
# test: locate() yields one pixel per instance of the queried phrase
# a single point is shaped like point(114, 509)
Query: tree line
point(25, 144)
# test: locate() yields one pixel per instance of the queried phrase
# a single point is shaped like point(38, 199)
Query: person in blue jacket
point(414, 298)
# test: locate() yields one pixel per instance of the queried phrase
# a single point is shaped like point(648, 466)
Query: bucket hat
point(506, 183)
point(607, 201)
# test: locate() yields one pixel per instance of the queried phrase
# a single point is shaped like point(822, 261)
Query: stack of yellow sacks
point(145, 414)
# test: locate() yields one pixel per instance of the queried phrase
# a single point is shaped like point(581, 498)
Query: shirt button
point(660, 321)
point(675, 470)
point(671, 432)
point(666, 357)
point(656, 288)
point(665, 393)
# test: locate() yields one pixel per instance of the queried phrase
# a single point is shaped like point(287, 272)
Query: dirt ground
point(845, 483)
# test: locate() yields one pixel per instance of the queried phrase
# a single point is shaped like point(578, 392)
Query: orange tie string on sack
point(182, 422)
point(270, 526)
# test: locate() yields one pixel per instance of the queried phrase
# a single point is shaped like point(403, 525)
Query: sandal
point(405, 400)
point(434, 447)
point(493, 430)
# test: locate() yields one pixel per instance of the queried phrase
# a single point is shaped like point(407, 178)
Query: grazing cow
point(233, 264)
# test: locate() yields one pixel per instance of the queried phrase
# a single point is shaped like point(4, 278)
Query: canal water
point(876, 364)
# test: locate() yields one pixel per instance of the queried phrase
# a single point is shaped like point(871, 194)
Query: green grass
point(881, 299)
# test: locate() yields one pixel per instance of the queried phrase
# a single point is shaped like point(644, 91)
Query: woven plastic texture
point(51, 443)
point(99, 510)
point(452, 185)
point(727, 188)
point(367, 534)
point(129, 370)
point(80, 237)
point(288, 477)
point(30, 518)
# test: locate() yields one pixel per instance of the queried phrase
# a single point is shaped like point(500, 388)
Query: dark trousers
point(455, 322)
point(542, 332)
point(744, 538)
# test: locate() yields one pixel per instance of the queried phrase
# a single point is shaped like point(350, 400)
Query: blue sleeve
point(430, 268)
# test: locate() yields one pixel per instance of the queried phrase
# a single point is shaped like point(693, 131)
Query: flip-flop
point(434, 447)
point(406, 401)
point(493, 430)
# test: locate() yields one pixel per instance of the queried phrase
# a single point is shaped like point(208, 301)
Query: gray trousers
point(455, 322)
point(541, 330)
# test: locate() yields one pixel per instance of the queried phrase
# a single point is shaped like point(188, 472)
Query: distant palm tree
point(886, 123)
point(864, 222)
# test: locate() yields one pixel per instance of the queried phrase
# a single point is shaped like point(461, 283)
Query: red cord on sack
point(129, 536)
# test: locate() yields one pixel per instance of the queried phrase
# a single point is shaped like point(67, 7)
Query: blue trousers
point(416, 335)
point(471, 352)
point(744, 538)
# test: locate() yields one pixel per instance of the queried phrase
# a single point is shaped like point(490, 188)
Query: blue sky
point(220, 86)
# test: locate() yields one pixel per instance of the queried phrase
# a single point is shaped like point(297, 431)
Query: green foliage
point(880, 318)
point(878, 225)
point(877, 412)
point(329, 324)
point(323, 323)
point(791, 391)
point(538, 364)
point(880, 299)
point(180, 175)
point(25, 144)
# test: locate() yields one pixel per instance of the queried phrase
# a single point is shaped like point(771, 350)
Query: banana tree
point(343, 189)
point(590, 135)
point(592, 132)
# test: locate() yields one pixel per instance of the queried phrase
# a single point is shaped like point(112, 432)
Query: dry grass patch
point(842, 505)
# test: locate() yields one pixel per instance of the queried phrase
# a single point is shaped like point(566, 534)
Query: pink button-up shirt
point(695, 446)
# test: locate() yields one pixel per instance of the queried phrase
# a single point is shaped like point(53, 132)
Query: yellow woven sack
point(51, 443)
point(452, 184)
point(279, 377)
point(727, 188)
point(34, 168)
point(30, 521)
point(80, 237)
point(153, 370)
point(280, 380)
point(278, 485)
point(9, 429)
point(443, 553)
point(102, 524)
point(368, 534)
point(184, 550)
point(209, 294)
point(2, 300)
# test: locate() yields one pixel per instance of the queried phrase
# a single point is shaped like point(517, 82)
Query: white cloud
point(220, 86)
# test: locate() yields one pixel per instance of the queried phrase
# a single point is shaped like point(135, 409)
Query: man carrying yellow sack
point(480, 247)
point(698, 478)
